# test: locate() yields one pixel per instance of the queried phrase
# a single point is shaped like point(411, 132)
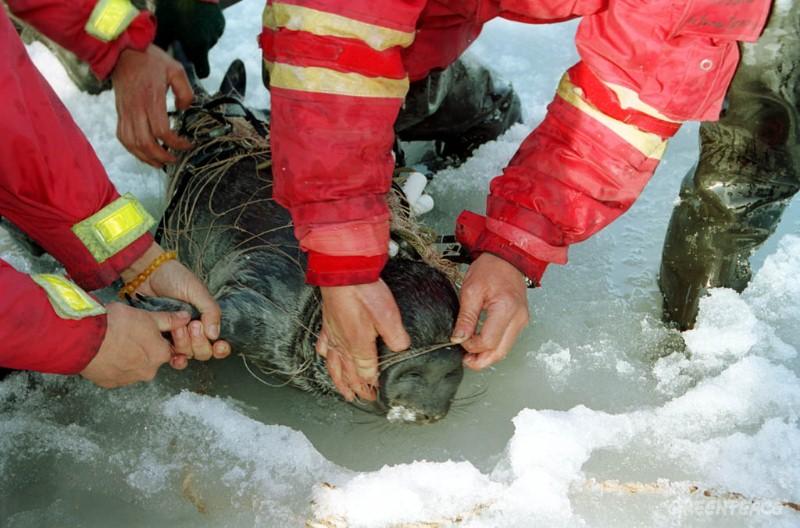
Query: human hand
point(352, 318)
point(493, 285)
point(173, 279)
point(141, 80)
point(133, 348)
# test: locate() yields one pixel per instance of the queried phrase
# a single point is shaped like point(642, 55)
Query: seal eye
point(452, 374)
point(413, 374)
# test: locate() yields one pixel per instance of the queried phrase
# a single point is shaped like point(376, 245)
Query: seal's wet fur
point(226, 227)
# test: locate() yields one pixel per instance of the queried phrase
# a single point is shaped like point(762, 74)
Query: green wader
point(749, 169)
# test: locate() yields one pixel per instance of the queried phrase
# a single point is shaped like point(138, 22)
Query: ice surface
point(596, 395)
point(783, 5)
point(243, 25)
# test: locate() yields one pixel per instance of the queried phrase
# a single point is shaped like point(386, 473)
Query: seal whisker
point(256, 376)
point(411, 353)
point(470, 397)
point(292, 376)
point(369, 421)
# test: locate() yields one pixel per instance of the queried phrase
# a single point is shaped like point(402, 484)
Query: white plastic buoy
point(423, 205)
point(414, 185)
point(394, 249)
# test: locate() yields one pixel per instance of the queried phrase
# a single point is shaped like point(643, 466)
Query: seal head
point(419, 385)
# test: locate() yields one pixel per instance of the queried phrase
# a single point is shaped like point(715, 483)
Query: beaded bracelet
point(133, 285)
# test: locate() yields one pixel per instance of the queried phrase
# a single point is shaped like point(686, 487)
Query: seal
point(227, 229)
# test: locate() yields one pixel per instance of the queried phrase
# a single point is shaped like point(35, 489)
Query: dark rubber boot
point(748, 170)
point(195, 24)
point(461, 108)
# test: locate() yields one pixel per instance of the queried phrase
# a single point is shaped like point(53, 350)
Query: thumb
point(179, 82)
point(385, 315)
point(322, 343)
point(169, 321)
point(389, 324)
point(467, 321)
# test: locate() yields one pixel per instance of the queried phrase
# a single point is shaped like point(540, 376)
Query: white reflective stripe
point(651, 145)
point(630, 99)
point(322, 80)
point(322, 23)
point(68, 300)
point(110, 18)
point(114, 227)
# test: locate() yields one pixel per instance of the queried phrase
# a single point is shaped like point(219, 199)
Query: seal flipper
point(236, 327)
point(239, 326)
point(235, 80)
point(162, 304)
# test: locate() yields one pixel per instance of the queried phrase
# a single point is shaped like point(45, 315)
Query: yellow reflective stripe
point(651, 145)
point(110, 18)
point(323, 80)
point(68, 300)
point(630, 99)
point(114, 227)
point(297, 18)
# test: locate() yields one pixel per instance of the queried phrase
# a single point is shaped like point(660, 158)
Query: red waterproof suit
point(339, 71)
point(53, 187)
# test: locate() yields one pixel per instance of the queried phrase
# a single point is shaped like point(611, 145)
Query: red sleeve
point(337, 83)
point(50, 178)
point(646, 66)
point(65, 21)
point(33, 337)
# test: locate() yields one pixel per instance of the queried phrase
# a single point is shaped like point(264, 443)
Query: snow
point(597, 400)
point(782, 6)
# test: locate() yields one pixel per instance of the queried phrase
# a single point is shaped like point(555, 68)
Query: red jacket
point(53, 187)
point(340, 69)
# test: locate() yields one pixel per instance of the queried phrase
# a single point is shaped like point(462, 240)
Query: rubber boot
point(749, 168)
point(195, 24)
point(460, 107)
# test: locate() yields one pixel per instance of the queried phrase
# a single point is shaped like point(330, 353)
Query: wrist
point(126, 56)
point(528, 266)
point(471, 232)
point(141, 264)
point(136, 38)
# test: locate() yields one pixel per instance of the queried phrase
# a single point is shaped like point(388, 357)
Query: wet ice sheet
point(189, 458)
point(583, 396)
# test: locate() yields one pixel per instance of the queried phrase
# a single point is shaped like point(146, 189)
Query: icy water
point(591, 391)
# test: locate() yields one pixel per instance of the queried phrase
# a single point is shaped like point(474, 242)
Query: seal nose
point(425, 418)
point(400, 413)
